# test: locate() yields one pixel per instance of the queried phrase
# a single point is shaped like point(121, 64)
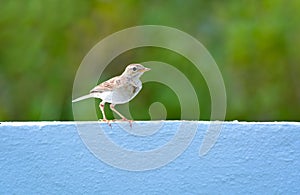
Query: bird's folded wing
point(108, 85)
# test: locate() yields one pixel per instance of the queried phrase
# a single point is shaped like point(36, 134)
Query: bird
point(118, 90)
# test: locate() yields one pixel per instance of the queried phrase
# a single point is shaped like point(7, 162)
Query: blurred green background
point(256, 45)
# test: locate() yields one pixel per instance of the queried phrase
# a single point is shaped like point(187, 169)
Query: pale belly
point(120, 96)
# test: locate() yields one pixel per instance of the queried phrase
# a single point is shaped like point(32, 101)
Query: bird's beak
point(145, 69)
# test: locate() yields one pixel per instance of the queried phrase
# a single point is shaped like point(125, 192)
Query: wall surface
point(52, 158)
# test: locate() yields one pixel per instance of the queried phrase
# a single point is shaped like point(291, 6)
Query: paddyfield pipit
point(118, 90)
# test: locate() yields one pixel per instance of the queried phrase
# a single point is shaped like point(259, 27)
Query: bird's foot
point(130, 121)
point(107, 121)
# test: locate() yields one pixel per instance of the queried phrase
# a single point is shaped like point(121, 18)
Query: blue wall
point(43, 158)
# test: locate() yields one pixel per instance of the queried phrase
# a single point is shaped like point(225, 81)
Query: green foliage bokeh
point(256, 45)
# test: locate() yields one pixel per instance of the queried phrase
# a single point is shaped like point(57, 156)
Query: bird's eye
point(134, 68)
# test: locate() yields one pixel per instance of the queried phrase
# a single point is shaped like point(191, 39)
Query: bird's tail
point(83, 97)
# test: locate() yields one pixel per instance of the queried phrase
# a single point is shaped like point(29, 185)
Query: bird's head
point(135, 70)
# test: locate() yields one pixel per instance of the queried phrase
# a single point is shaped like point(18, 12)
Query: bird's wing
point(108, 85)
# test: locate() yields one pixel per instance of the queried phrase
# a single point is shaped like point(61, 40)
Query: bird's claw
point(130, 121)
point(107, 121)
point(123, 119)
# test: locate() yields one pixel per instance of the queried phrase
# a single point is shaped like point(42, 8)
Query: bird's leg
point(101, 106)
point(112, 107)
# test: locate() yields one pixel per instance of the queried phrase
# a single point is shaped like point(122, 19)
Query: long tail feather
point(83, 97)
